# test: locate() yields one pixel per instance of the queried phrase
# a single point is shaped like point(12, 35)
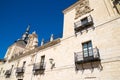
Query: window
point(24, 63)
point(87, 49)
point(38, 68)
point(116, 4)
point(84, 23)
point(42, 59)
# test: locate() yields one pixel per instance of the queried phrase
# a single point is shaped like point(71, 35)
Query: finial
point(34, 32)
point(28, 28)
point(42, 42)
point(51, 38)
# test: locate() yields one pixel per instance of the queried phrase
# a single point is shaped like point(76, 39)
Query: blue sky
point(44, 16)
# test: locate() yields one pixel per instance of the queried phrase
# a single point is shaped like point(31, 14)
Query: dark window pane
point(90, 49)
point(87, 49)
point(42, 58)
point(85, 53)
point(84, 21)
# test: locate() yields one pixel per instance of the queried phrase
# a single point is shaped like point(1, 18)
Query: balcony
point(80, 58)
point(19, 70)
point(38, 68)
point(83, 24)
point(8, 73)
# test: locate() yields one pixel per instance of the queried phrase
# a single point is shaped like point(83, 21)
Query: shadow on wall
point(91, 66)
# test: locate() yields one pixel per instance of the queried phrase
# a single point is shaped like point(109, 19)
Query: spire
point(25, 35)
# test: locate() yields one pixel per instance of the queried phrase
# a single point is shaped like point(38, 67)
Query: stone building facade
point(88, 50)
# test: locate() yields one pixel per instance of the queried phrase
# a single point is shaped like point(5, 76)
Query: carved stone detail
point(82, 8)
point(32, 41)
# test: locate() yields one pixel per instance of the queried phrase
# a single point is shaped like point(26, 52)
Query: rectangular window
point(42, 59)
point(87, 49)
point(84, 21)
point(24, 63)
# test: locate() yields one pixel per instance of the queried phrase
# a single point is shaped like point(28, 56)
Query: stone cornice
point(71, 7)
point(36, 49)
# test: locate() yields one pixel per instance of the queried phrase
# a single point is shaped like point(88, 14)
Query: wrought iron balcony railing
point(39, 66)
point(83, 24)
point(8, 72)
point(20, 70)
point(81, 58)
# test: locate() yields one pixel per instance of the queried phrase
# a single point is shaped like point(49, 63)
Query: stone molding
point(49, 44)
point(82, 8)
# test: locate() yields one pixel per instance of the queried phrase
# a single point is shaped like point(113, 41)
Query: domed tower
point(18, 47)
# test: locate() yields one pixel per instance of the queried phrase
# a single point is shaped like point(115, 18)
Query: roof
point(21, 42)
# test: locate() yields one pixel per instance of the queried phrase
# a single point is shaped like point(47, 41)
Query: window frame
point(42, 59)
point(87, 50)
